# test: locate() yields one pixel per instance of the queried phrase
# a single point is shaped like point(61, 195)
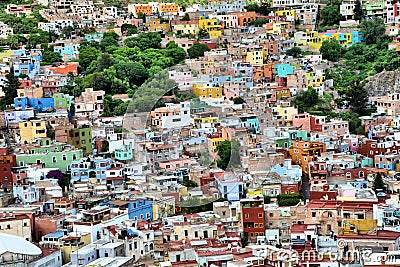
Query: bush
point(289, 199)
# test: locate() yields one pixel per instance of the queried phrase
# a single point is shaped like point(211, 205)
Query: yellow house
point(155, 25)
point(163, 208)
point(280, 28)
point(203, 91)
point(186, 27)
point(213, 143)
point(343, 38)
point(72, 243)
point(314, 79)
point(287, 13)
point(198, 122)
point(358, 227)
point(286, 112)
point(254, 193)
point(30, 130)
point(282, 93)
point(255, 57)
point(211, 26)
point(192, 231)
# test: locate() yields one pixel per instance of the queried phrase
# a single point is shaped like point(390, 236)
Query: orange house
point(145, 9)
point(71, 67)
point(304, 152)
point(272, 47)
point(168, 8)
point(244, 18)
point(263, 72)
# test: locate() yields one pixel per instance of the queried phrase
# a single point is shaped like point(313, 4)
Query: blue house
point(68, 51)
point(282, 70)
point(229, 186)
point(251, 122)
point(97, 36)
point(140, 209)
point(222, 78)
point(21, 103)
point(87, 168)
point(26, 65)
point(287, 169)
point(124, 153)
point(248, 80)
point(42, 104)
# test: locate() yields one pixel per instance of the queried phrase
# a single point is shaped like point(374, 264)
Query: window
point(260, 215)
point(246, 215)
point(64, 157)
point(314, 214)
point(54, 159)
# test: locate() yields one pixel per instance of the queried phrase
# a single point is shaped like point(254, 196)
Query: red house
point(253, 218)
point(7, 162)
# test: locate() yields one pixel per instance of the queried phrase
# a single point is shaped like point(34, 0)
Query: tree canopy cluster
point(108, 66)
point(229, 154)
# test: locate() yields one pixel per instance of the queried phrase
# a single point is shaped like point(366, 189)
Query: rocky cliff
point(384, 82)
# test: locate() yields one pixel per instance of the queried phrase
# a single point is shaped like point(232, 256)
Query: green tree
point(202, 34)
point(128, 29)
point(104, 62)
point(330, 50)
point(330, 14)
point(357, 95)
point(373, 31)
point(109, 39)
point(50, 57)
point(238, 100)
point(10, 89)
point(87, 55)
point(144, 41)
point(358, 11)
point(259, 22)
point(197, 50)
point(378, 182)
point(173, 51)
point(142, 16)
point(186, 17)
point(229, 154)
point(294, 52)
point(134, 72)
point(306, 100)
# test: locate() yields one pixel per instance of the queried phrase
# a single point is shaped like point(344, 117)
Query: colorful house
point(81, 138)
point(62, 101)
point(289, 14)
point(31, 130)
point(156, 25)
point(282, 70)
point(186, 27)
point(140, 209)
point(211, 26)
point(168, 8)
point(87, 168)
point(49, 155)
point(202, 90)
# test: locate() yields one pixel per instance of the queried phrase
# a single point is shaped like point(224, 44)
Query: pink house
point(135, 22)
point(302, 121)
point(229, 21)
point(171, 165)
